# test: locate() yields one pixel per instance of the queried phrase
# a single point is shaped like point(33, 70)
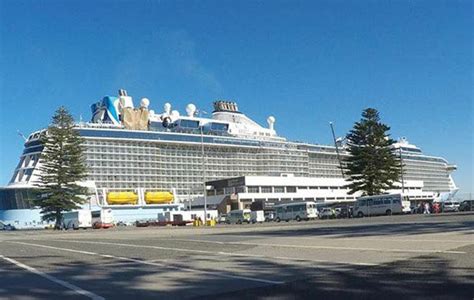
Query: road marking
point(54, 279)
point(324, 247)
point(219, 253)
point(186, 269)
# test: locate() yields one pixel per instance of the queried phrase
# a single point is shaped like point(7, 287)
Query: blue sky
point(305, 62)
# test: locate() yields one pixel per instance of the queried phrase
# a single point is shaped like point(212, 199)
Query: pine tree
point(372, 165)
point(62, 167)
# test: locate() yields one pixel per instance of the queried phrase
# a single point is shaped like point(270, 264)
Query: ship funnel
point(125, 100)
point(271, 122)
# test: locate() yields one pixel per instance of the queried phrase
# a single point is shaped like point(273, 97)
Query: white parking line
point(54, 279)
point(218, 252)
point(324, 247)
point(186, 269)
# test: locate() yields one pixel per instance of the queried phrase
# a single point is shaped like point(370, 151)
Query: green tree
point(372, 165)
point(62, 167)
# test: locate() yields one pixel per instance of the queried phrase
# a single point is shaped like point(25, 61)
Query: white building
point(240, 192)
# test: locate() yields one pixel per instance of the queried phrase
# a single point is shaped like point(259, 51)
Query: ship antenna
point(337, 149)
point(22, 135)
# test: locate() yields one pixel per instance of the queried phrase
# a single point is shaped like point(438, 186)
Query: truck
point(77, 219)
point(102, 218)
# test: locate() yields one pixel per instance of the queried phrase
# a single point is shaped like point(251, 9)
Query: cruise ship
point(138, 150)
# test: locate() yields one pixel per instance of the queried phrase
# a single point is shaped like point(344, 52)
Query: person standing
point(427, 208)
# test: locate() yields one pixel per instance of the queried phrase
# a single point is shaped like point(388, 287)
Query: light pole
point(337, 149)
point(203, 169)
point(401, 168)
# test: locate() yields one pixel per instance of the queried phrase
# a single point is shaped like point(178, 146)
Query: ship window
point(291, 189)
point(189, 124)
point(219, 126)
point(266, 189)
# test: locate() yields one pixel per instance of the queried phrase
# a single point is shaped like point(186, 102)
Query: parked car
point(450, 206)
point(327, 213)
point(122, 224)
point(7, 227)
point(342, 212)
point(269, 216)
point(222, 219)
point(142, 223)
point(466, 205)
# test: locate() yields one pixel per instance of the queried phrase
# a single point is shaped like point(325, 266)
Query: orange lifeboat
point(159, 197)
point(122, 198)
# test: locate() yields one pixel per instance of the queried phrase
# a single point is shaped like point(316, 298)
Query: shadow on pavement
point(426, 277)
point(367, 230)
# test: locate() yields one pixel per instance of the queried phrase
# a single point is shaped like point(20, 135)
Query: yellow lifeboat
point(158, 197)
point(122, 198)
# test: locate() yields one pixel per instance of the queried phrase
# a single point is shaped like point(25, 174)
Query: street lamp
point(201, 112)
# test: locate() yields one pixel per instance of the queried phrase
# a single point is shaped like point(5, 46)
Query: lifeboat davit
point(122, 198)
point(158, 197)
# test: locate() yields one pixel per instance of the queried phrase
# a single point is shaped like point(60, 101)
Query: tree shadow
point(425, 277)
point(366, 230)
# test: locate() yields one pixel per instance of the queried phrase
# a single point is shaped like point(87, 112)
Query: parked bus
point(296, 211)
point(77, 219)
point(238, 216)
point(102, 218)
point(380, 205)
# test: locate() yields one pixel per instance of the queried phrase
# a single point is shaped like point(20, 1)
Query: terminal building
point(240, 192)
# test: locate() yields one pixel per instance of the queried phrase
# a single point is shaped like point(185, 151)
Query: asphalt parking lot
point(413, 256)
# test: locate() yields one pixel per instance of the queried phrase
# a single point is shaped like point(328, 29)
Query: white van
point(77, 219)
point(257, 216)
point(378, 205)
point(238, 216)
point(296, 211)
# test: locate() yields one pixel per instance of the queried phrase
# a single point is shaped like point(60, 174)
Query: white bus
point(238, 216)
point(380, 205)
point(296, 211)
point(77, 219)
point(102, 218)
